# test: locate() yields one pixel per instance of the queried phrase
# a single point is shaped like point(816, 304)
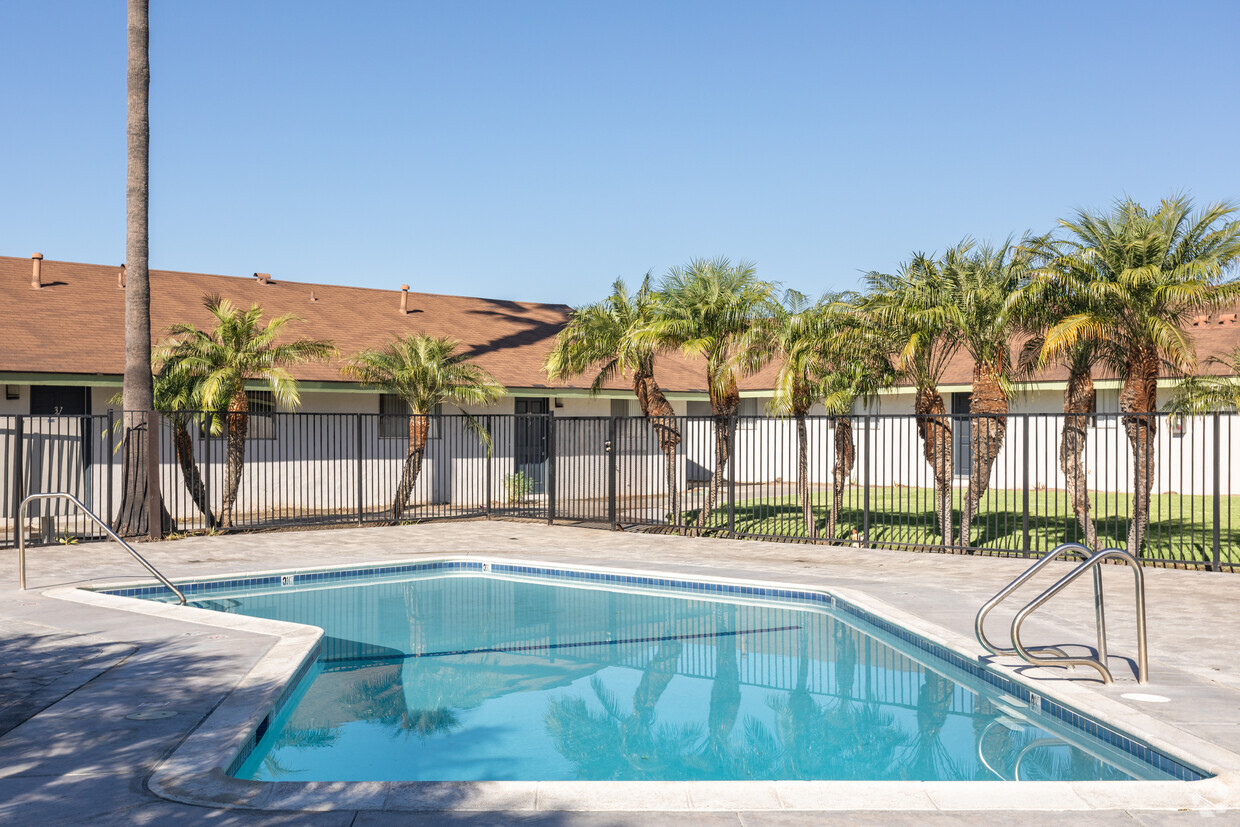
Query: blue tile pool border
point(971, 666)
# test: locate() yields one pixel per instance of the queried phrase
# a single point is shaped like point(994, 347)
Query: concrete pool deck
point(71, 672)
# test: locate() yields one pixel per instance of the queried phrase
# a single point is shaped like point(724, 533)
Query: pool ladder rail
point(60, 495)
point(1091, 562)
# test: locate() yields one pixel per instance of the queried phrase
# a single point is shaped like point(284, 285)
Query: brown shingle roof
point(75, 323)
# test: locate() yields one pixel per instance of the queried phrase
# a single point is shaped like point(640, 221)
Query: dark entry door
point(61, 442)
point(531, 447)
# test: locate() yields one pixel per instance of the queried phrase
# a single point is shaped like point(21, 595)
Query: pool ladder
point(1092, 562)
point(60, 495)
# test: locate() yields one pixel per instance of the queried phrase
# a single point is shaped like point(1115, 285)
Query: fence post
point(111, 452)
point(865, 481)
point(1025, 483)
point(610, 448)
point(486, 495)
point(1216, 563)
point(154, 503)
point(357, 468)
point(551, 469)
point(19, 457)
point(731, 469)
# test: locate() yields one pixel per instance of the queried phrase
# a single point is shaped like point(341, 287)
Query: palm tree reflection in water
point(641, 689)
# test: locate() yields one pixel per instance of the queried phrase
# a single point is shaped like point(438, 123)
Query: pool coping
point(197, 770)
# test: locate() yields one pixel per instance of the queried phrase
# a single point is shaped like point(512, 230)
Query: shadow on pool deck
point(81, 669)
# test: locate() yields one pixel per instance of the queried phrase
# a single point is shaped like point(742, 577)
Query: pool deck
point(72, 671)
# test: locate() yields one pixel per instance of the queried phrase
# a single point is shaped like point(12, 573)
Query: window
point(620, 407)
point(262, 424)
point(394, 418)
point(1106, 403)
point(747, 412)
point(698, 409)
point(262, 415)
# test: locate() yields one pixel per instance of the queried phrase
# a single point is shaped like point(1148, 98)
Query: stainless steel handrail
point(21, 539)
point(979, 621)
point(1099, 663)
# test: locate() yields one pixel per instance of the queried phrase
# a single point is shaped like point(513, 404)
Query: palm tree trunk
point(936, 439)
point(990, 404)
point(845, 457)
point(138, 391)
point(1140, 396)
point(1078, 404)
point(419, 432)
point(189, 468)
point(724, 412)
point(807, 507)
point(238, 427)
point(662, 418)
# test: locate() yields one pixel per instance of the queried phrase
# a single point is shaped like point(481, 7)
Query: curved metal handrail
point(981, 750)
point(1099, 662)
point(1050, 557)
point(1037, 743)
point(21, 539)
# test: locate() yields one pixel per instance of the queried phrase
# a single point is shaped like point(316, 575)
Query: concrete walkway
point(73, 676)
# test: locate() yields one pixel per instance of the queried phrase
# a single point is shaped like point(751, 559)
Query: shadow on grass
point(1172, 538)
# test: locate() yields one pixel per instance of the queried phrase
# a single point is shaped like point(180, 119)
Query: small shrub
point(518, 486)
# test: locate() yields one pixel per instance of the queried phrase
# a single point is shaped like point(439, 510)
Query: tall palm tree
point(222, 360)
point(178, 396)
point(424, 371)
point(1040, 304)
point(138, 391)
point(974, 301)
point(856, 356)
point(827, 355)
point(1145, 273)
point(703, 309)
point(598, 337)
point(906, 305)
point(790, 334)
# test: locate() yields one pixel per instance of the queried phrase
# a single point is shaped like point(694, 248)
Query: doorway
point(531, 440)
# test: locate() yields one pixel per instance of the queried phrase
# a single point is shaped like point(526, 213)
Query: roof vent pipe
point(263, 278)
point(404, 299)
point(36, 276)
point(120, 277)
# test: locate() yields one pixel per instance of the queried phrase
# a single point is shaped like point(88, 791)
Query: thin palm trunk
point(419, 432)
point(138, 391)
point(724, 414)
point(238, 427)
point(662, 418)
point(1139, 399)
point(807, 507)
point(1078, 406)
point(989, 426)
point(845, 457)
point(936, 439)
point(184, 447)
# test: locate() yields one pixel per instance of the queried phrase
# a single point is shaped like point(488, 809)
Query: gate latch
point(607, 446)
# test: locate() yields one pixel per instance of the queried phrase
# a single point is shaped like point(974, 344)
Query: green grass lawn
point(1181, 528)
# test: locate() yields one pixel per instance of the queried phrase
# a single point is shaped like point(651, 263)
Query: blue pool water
point(471, 676)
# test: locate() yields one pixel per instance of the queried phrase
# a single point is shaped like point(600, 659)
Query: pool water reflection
point(465, 677)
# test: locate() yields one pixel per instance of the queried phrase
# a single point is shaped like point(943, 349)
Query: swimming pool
point(460, 670)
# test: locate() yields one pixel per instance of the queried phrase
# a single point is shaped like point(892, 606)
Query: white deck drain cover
point(1149, 699)
point(151, 715)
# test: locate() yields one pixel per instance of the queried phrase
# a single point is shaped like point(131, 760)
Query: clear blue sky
point(538, 150)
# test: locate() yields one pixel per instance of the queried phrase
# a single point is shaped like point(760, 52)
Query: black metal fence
point(865, 481)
